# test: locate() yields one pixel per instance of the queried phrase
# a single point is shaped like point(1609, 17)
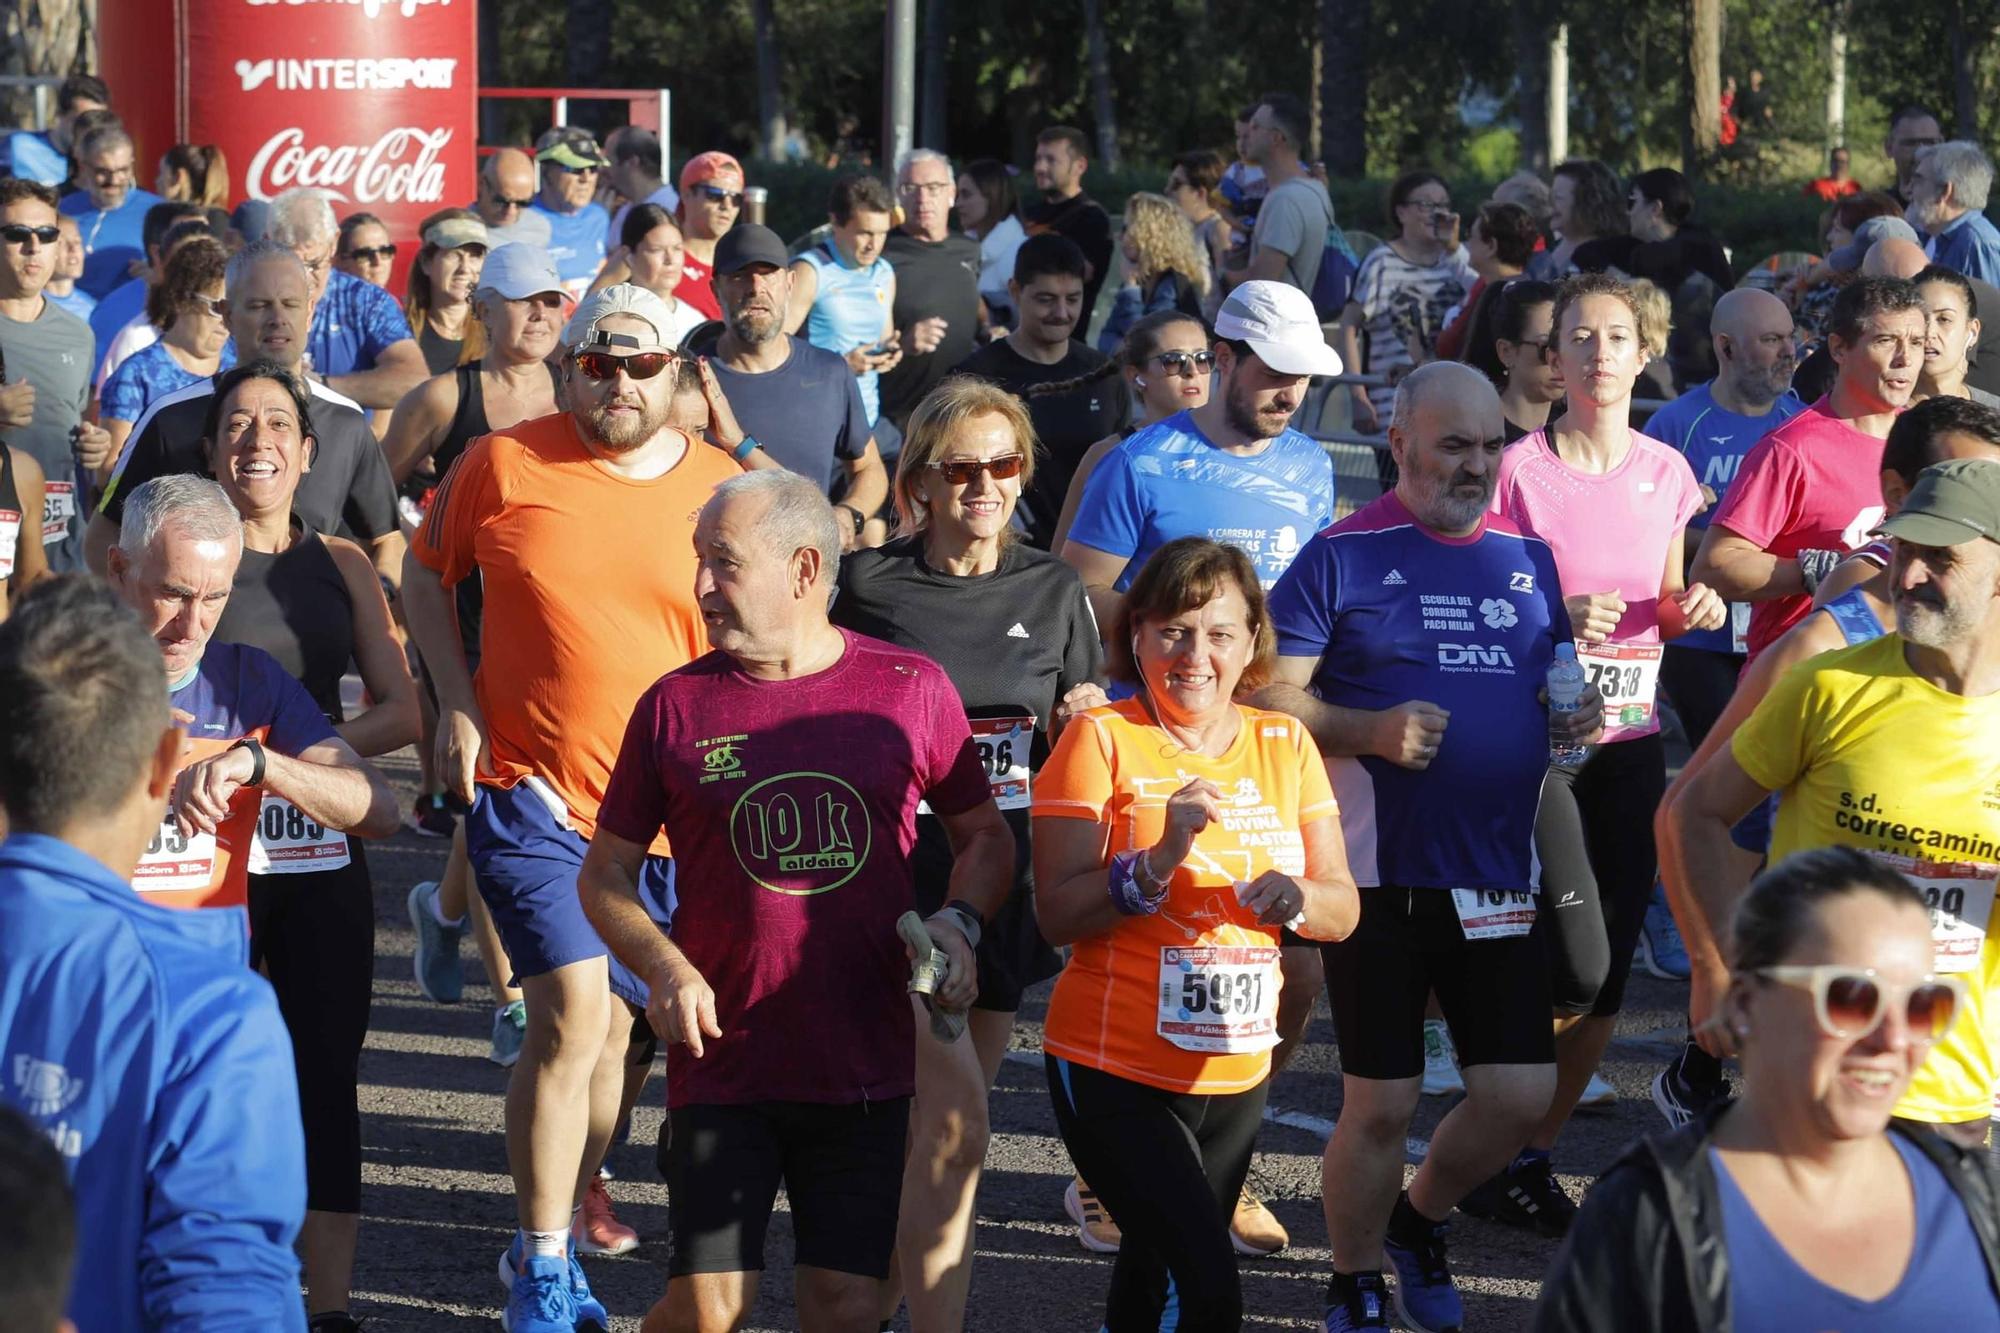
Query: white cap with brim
point(518, 271)
point(582, 334)
point(1281, 326)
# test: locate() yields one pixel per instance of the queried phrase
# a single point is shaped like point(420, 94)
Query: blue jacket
point(138, 1037)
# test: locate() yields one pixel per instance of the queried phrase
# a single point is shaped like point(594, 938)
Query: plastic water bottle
point(1566, 681)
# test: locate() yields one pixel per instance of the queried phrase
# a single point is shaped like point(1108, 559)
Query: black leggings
point(314, 936)
point(1699, 683)
point(1594, 835)
point(1168, 1166)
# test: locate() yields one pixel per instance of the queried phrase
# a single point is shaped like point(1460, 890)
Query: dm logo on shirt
point(800, 833)
point(45, 1088)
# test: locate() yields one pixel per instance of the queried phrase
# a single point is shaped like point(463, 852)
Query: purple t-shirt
point(792, 810)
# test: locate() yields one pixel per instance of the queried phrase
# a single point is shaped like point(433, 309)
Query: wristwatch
point(256, 749)
point(860, 519)
point(749, 446)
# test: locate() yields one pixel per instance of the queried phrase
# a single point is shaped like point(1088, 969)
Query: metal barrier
point(648, 108)
point(45, 86)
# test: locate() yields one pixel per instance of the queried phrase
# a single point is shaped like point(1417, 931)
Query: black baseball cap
point(747, 243)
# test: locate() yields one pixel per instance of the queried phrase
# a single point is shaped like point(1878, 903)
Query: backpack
point(1338, 268)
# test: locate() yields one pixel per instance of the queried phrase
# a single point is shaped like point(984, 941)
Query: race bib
point(1494, 914)
point(289, 843)
point(58, 507)
point(173, 860)
point(1960, 898)
point(1219, 999)
point(1004, 743)
point(1739, 627)
point(1627, 675)
point(10, 537)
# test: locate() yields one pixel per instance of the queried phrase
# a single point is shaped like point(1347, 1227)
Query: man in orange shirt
point(582, 527)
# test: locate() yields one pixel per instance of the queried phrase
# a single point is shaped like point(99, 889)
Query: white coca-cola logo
point(370, 8)
point(401, 167)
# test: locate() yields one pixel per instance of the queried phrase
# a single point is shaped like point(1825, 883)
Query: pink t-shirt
point(1610, 533)
point(792, 809)
point(1814, 483)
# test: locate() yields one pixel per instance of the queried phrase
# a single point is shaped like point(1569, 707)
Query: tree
point(1343, 88)
point(1100, 84)
point(770, 105)
point(45, 37)
point(1703, 87)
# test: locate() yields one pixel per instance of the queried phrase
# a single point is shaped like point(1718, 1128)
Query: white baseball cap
point(1281, 326)
point(517, 272)
point(625, 298)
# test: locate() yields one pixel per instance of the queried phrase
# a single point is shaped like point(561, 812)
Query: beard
point(754, 326)
point(622, 434)
point(1932, 624)
point(1436, 502)
point(1240, 410)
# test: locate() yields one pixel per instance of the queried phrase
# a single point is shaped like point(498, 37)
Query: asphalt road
point(438, 1204)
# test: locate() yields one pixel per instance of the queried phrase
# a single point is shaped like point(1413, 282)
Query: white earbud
point(1139, 380)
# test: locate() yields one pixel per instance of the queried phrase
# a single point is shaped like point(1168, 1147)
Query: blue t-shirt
point(237, 689)
point(807, 413)
point(849, 310)
point(1393, 612)
point(354, 322)
point(125, 303)
point(32, 155)
point(145, 377)
point(1945, 1286)
point(1714, 441)
point(79, 302)
point(1170, 481)
point(576, 243)
point(111, 241)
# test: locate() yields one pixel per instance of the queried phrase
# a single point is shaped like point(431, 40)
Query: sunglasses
point(373, 254)
point(16, 234)
point(504, 202)
point(716, 194)
point(568, 170)
point(639, 365)
point(964, 471)
point(1185, 364)
point(1850, 1001)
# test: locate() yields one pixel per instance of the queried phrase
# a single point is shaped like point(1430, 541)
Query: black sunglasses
point(640, 365)
point(1185, 364)
point(504, 202)
point(734, 198)
point(964, 471)
point(373, 253)
point(16, 234)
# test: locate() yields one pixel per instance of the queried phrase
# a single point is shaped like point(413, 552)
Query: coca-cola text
point(401, 167)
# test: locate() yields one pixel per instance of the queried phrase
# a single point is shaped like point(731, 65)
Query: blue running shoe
point(538, 1299)
point(1426, 1299)
point(1364, 1304)
point(435, 961)
point(587, 1312)
point(510, 1031)
point(1661, 950)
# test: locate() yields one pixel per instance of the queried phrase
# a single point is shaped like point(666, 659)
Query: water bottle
point(1566, 681)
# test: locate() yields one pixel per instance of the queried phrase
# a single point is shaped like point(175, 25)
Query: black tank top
point(440, 353)
point(468, 423)
point(296, 607)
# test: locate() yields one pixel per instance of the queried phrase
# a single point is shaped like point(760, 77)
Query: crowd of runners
point(813, 647)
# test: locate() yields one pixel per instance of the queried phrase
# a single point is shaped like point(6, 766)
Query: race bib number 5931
point(1219, 999)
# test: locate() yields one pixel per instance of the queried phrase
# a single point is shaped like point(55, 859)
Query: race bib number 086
point(1004, 743)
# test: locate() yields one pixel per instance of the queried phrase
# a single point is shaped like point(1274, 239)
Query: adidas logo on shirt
point(1394, 579)
point(1018, 632)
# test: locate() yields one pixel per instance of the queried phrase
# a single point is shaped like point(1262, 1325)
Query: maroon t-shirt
point(792, 810)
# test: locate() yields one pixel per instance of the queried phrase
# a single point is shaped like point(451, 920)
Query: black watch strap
point(256, 749)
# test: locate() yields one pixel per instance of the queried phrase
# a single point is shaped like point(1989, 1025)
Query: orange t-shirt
point(1186, 999)
point(589, 581)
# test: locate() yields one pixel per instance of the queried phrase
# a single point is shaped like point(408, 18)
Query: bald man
point(1715, 425)
point(507, 185)
point(1894, 257)
point(1807, 494)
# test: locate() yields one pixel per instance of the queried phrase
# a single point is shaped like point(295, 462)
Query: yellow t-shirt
point(1185, 1000)
point(1868, 755)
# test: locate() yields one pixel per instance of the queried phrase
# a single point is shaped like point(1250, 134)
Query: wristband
point(960, 914)
point(1816, 565)
point(860, 519)
point(1126, 894)
point(256, 749)
point(745, 449)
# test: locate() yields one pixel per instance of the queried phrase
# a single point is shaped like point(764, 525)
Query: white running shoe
point(1441, 1077)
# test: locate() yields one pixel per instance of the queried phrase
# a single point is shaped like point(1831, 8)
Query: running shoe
point(597, 1229)
point(334, 1321)
point(538, 1297)
point(1254, 1231)
point(1441, 1077)
point(1598, 1095)
point(1680, 1101)
point(429, 818)
point(1661, 951)
point(1363, 1304)
point(510, 1029)
point(589, 1314)
point(1094, 1227)
point(1525, 1195)
point(435, 962)
point(1425, 1296)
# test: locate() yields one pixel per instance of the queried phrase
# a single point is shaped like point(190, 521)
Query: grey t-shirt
point(527, 228)
point(55, 354)
point(1293, 220)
